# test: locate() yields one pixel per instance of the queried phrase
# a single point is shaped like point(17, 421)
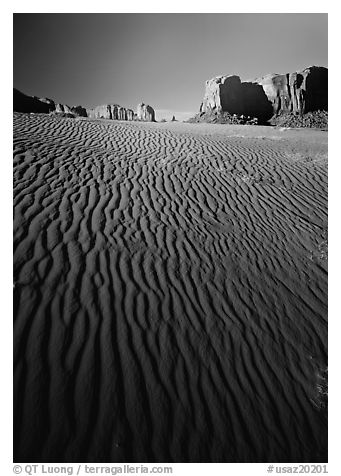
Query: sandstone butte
point(24, 103)
point(145, 113)
point(270, 95)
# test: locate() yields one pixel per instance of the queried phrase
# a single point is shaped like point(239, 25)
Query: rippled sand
point(170, 292)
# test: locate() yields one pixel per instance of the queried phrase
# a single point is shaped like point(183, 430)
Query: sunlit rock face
point(300, 92)
point(223, 93)
point(75, 110)
point(145, 113)
point(101, 112)
point(130, 115)
point(111, 111)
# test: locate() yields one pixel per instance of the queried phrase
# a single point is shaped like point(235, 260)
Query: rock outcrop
point(223, 94)
point(230, 94)
point(300, 92)
point(47, 101)
point(60, 108)
point(111, 111)
point(24, 103)
point(101, 112)
point(273, 94)
point(130, 115)
point(79, 111)
point(75, 110)
point(145, 113)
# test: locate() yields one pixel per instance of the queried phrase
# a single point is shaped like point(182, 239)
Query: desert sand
point(170, 292)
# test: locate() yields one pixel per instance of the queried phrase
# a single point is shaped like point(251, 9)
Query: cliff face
point(223, 94)
point(299, 92)
point(229, 94)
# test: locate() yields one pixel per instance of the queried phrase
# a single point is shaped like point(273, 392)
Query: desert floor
point(170, 292)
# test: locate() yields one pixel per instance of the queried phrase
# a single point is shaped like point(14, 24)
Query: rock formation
point(101, 112)
point(130, 115)
point(79, 111)
point(60, 108)
point(47, 101)
point(145, 113)
point(24, 103)
point(300, 92)
point(223, 94)
point(111, 111)
point(273, 94)
point(75, 110)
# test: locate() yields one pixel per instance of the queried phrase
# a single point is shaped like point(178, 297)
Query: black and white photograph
point(170, 238)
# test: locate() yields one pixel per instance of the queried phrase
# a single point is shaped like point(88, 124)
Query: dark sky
point(161, 59)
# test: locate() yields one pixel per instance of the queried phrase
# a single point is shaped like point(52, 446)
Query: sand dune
point(170, 292)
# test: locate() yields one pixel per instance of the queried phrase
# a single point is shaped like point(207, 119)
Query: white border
point(63, 6)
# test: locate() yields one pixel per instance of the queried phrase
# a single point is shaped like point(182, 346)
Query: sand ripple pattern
point(170, 295)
